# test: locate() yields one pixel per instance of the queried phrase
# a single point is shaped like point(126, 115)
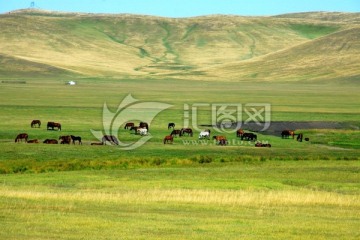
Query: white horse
point(142, 131)
point(204, 134)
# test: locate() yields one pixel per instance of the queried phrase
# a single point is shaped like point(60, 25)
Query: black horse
point(249, 136)
point(175, 132)
point(76, 138)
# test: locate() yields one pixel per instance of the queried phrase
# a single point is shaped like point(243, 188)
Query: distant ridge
point(289, 47)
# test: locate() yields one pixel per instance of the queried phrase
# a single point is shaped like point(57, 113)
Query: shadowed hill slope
point(208, 47)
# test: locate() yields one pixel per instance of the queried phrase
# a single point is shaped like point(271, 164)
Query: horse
point(299, 137)
point(239, 132)
point(65, 139)
point(33, 141)
point(53, 125)
point(175, 132)
point(249, 136)
point(50, 141)
point(259, 144)
point(189, 131)
point(287, 133)
point(110, 138)
point(204, 134)
point(222, 142)
point(129, 125)
point(144, 125)
point(168, 139)
point(171, 125)
point(35, 122)
point(21, 136)
point(134, 128)
point(142, 131)
point(76, 138)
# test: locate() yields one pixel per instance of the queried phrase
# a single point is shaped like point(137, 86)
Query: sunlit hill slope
point(304, 46)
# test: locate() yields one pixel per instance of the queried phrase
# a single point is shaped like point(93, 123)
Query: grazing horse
point(35, 122)
point(220, 140)
point(204, 134)
point(189, 131)
point(168, 139)
point(53, 125)
point(287, 133)
point(76, 138)
point(110, 138)
point(21, 136)
point(144, 125)
point(129, 125)
point(65, 139)
point(142, 131)
point(175, 132)
point(33, 141)
point(300, 137)
point(134, 128)
point(51, 141)
point(239, 132)
point(249, 136)
point(171, 125)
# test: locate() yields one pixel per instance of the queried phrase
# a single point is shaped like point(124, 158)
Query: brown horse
point(189, 131)
point(35, 122)
point(168, 139)
point(33, 141)
point(129, 125)
point(239, 132)
point(76, 138)
point(53, 125)
point(21, 136)
point(287, 133)
point(110, 138)
point(65, 139)
point(51, 141)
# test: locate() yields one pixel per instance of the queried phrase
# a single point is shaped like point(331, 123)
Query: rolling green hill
point(309, 46)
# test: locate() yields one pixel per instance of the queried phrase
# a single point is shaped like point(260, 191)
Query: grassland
point(189, 189)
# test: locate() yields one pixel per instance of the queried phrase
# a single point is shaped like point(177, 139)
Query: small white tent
point(71, 83)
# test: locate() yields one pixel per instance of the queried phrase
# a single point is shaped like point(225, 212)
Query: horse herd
point(50, 126)
point(143, 129)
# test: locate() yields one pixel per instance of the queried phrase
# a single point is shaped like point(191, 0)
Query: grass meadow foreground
point(254, 200)
point(190, 189)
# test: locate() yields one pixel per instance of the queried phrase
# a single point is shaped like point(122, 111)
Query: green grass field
point(191, 189)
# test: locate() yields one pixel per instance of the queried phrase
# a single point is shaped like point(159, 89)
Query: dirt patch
point(276, 127)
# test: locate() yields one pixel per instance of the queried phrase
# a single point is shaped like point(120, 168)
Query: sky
point(186, 8)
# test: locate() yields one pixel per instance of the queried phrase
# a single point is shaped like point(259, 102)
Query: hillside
point(231, 48)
